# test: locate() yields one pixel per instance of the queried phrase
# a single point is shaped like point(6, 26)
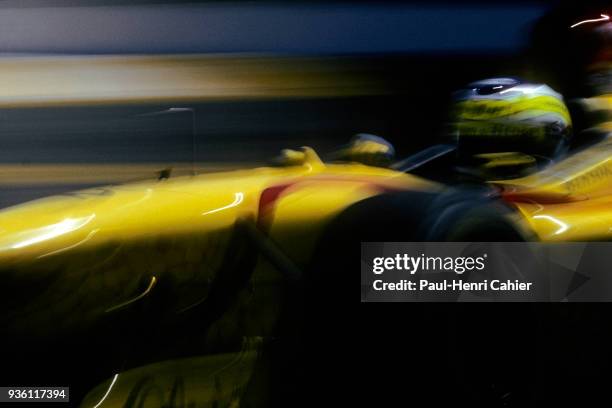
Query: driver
point(504, 127)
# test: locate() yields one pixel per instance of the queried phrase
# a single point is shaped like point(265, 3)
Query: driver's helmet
point(497, 117)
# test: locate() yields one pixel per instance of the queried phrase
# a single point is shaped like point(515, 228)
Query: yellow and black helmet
point(501, 115)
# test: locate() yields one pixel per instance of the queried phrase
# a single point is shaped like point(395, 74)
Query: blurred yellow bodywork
point(314, 191)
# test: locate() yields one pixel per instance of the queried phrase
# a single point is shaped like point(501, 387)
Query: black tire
point(454, 215)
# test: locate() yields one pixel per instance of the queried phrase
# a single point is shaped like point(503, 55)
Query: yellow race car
point(177, 285)
point(170, 279)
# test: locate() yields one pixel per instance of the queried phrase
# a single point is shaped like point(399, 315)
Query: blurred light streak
point(147, 195)
point(107, 391)
point(137, 298)
point(87, 238)
point(562, 226)
point(238, 198)
point(604, 17)
point(52, 231)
